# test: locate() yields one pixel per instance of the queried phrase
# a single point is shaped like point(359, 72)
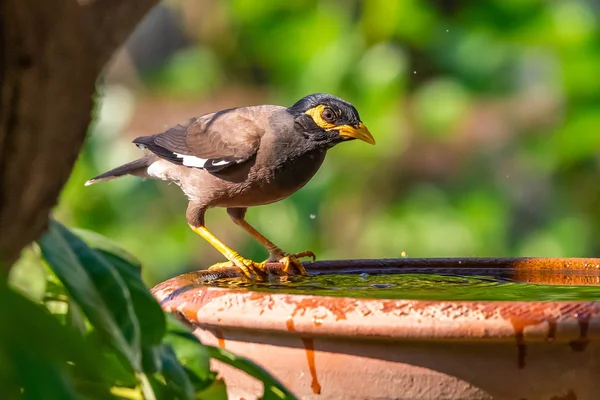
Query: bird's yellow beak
point(359, 132)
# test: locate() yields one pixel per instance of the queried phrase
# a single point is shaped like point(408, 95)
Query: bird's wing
point(212, 141)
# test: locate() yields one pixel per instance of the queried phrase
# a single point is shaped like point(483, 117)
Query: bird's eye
point(328, 115)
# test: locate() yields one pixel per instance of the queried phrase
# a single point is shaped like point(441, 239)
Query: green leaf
point(150, 316)
point(55, 290)
point(216, 391)
point(104, 244)
point(160, 388)
point(151, 359)
point(174, 373)
point(110, 285)
point(273, 389)
point(41, 367)
point(95, 390)
point(97, 288)
point(191, 353)
point(117, 372)
point(43, 380)
point(75, 317)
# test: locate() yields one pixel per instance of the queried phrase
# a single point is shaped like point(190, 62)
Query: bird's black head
point(324, 117)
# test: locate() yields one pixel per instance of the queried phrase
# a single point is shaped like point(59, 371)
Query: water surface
point(420, 287)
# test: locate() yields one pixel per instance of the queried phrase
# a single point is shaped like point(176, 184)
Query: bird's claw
point(253, 270)
point(303, 254)
point(291, 262)
point(292, 265)
point(250, 269)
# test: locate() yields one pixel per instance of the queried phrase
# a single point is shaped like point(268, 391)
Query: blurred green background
point(486, 116)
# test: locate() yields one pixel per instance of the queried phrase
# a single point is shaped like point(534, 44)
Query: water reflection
point(423, 287)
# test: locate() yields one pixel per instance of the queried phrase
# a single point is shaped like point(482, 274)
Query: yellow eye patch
point(315, 114)
point(358, 131)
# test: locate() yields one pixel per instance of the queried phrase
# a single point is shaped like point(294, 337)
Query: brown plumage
point(245, 157)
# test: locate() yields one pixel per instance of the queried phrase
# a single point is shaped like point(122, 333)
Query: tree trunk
point(51, 55)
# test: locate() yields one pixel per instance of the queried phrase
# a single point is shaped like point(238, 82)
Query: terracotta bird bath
point(363, 347)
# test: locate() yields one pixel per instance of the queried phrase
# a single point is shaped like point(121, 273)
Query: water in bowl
point(420, 286)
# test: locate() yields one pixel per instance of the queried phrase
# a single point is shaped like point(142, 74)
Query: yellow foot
point(251, 269)
point(258, 271)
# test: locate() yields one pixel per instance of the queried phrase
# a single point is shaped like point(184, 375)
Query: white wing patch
point(192, 161)
point(219, 163)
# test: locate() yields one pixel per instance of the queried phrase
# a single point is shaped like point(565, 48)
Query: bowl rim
point(215, 308)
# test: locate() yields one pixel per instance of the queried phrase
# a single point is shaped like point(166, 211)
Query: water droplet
point(312, 216)
point(403, 254)
point(447, 30)
point(364, 275)
point(415, 72)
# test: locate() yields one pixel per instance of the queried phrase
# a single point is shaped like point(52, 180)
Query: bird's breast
point(296, 172)
point(268, 183)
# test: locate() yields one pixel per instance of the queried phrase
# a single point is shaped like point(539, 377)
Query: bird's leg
point(250, 269)
point(291, 262)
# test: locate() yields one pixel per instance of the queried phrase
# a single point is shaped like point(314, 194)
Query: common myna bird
point(243, 157)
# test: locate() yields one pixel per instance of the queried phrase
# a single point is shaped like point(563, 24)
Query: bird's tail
point(137, 167)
